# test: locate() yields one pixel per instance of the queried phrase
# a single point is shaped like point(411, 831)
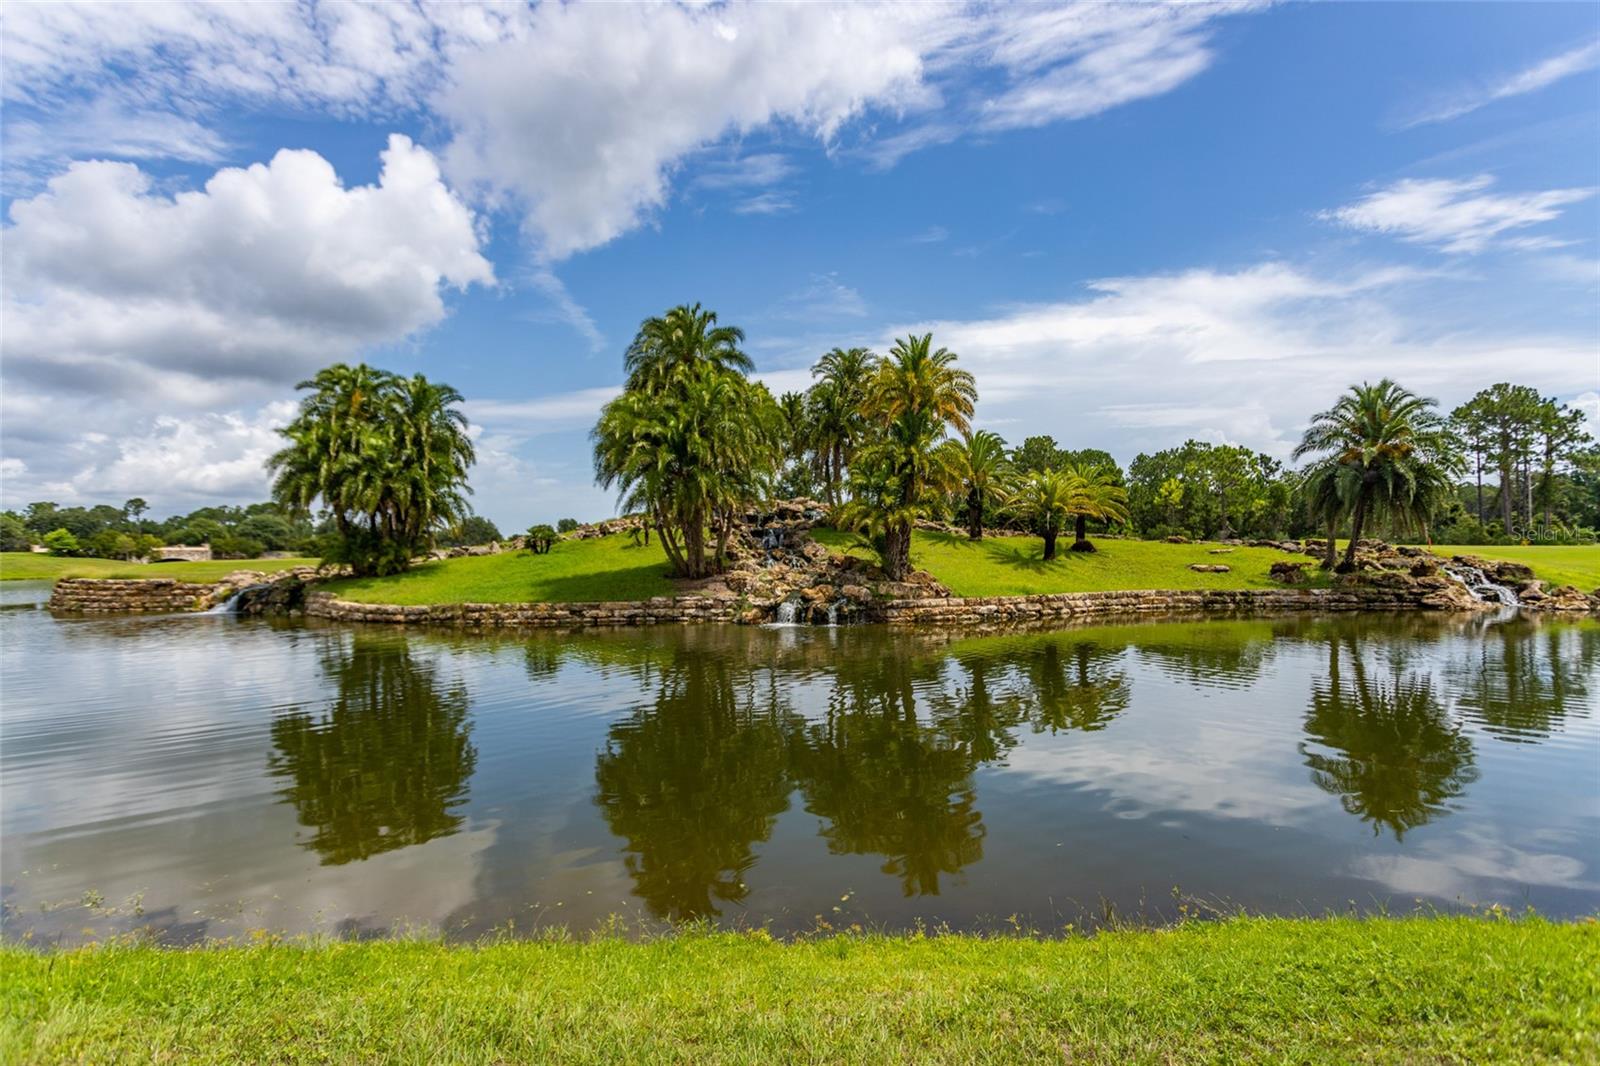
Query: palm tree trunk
point(1357, 519)
point(1080, 534)
point(1049, 543)
point(1331, 557)
point(975, 514)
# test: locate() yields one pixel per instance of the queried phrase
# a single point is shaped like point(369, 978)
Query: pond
point(207, 776)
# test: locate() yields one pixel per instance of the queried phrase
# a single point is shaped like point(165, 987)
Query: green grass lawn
point(1435, 990)
point(574, 571)
point(1555, 564)
point(1015, 566)
point(31, 566)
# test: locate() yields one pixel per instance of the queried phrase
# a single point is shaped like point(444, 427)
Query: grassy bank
point(1015, 566)
point(574, 571)
point(1278, 990)
point(31, 566)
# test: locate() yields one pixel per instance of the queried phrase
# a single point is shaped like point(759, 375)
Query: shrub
point(61, 542)
point(566, 525)
point(473, 529)
point(540, 537)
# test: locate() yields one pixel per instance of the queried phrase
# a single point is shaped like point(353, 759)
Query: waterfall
point(833, 613)
point(227, 606)
point(788, 610)
point(1477, 582)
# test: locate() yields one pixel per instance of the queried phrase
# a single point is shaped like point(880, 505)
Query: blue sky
point(1136, 224)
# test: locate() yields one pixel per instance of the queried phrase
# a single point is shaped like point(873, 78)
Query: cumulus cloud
point(266, 272)
point(580, 120)
point(583, 115)
point(1546, 72)
point(1459, 216)
point(129, 312)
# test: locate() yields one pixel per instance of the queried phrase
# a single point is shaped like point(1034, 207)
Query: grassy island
point(617, 568)
point(1429, 989)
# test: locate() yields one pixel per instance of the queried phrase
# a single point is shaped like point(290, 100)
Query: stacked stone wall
point(106, 595)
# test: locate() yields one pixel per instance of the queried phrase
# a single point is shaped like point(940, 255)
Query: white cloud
point(581, 120)
point(582, 116)
point(767, 203)
point(1114, 54)
point(131, 311)
point(1243, 356)
point(1544, 73)
point(265, 273)
point(1459, 216)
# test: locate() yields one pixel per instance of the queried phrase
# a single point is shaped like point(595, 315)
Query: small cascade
point(1477, 582)
point(788, 613)
point(227, 606)
point(833, 612)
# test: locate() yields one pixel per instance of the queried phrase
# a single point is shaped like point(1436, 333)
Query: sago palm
point(979, 463)
point(1095, 494)
point(1045, 499)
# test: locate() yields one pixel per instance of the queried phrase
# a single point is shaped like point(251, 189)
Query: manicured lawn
point(1555, 564)
point(1445, 990)
point(574, 571)
point(31, 566)
point(1015, 566)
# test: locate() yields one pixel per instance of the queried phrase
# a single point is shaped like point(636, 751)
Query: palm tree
point(387, 456)
point(1095, 494)
point(978, 461)
point(681, 338)
point(1046, 499)
point(835, 403)
point(1391, 453)
point(916, 394)
point(917, 377)
point(690, 455)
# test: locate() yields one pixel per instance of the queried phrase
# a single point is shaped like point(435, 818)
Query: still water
point(207, 776)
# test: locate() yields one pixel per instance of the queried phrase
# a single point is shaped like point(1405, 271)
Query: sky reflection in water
point(209, 776)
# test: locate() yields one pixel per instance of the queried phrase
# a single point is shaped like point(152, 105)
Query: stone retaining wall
point(1017, 610)
point(662, 610)
point(104, 595)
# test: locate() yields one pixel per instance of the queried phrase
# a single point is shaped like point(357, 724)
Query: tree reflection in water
point(692, 781)
point(387, 764)
point(695, 778)
point(1385, 746)
point(1525, 678)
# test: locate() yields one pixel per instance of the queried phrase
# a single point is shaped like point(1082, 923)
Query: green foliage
point(229, 546)
point(979, 464)
point(566, 525)
point(387, 456)
point(539, 539)
point(473, 529)
point(13, 534)
point(1535, 447)
point(61, 542)
point(836, 415)
point(913, 397)
point(1200, 489)
point(1380, 451)
point(691, 441)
